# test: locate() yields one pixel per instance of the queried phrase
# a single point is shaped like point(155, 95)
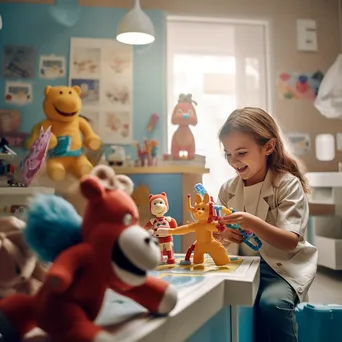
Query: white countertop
point(201, 296)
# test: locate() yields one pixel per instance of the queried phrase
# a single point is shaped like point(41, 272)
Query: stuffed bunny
point(19, 269)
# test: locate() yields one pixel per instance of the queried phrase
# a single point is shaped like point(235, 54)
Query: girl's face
point(247, 157)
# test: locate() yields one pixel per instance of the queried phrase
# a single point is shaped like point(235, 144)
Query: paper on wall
point(19, 93)
point(103, 69)
point(300, 143)
point(52, 67)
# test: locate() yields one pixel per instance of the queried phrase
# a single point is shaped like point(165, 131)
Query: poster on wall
point(103, 68)
point(10, 122)
point(18, 61)
point(297, 86)
point(300, 143)
point(19, 93)
point(52, 67)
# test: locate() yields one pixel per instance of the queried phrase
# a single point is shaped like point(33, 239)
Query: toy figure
point(203, 228)
point(184, 115)
point(20, 271)
point(159, 206)
point(108, 249)
point(62, 106)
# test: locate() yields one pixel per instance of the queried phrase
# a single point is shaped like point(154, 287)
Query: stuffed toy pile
point(107, 250)
point(20, 271)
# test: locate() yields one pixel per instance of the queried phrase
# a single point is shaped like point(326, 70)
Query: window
point(223, 64)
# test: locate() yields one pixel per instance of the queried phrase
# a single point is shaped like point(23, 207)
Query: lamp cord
point(340, 22)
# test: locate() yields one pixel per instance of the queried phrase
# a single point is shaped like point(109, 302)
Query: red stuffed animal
point(113, 252)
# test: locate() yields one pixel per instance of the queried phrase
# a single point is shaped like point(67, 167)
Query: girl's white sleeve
point(293, 207)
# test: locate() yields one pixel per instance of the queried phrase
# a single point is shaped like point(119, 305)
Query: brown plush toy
point(20, 272)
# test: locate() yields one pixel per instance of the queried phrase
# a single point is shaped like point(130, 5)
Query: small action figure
point(159, 206)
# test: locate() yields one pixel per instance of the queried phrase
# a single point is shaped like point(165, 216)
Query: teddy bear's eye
point(70, 92)
point(61, 92)
point(18, 270)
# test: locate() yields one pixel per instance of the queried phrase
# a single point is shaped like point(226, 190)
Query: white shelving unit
point(19, 196)
point(327, 229)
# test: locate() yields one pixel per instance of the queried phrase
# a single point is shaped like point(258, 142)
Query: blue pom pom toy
point(53, 225)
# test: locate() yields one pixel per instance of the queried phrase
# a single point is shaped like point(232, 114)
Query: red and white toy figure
point(159, 206)
point(183, 141)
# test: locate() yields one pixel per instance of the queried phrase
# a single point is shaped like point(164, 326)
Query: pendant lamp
point(135, 28)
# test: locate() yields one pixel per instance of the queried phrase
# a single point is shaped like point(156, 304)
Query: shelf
point(161, 169)
point(22, 191)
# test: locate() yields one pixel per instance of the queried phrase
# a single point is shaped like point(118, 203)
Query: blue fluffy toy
point(53, 225)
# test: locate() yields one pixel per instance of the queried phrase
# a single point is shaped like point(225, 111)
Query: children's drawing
point(18, 61)
point(52, 67)
point(90, 90)
point(115, 127)
point(299, 86)
point(118, 95)
point(300, 143)
point(10, 121)
point(19, 93)
point(85, 61)
point(120, 62)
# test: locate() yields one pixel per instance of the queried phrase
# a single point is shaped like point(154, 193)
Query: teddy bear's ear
point(47, 90)
point(105, 174)
point(126, 183)
point(77, 89)
point(91, 187)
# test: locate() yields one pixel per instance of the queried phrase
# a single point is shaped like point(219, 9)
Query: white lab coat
point(283, 204)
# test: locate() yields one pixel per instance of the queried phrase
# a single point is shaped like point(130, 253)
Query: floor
point(327, 287)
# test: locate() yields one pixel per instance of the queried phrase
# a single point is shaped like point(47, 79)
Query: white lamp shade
point(135, 28)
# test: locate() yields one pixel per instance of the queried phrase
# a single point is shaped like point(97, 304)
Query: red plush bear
point(114, 252)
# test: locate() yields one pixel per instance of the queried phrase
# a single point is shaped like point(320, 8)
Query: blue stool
point(319, 322)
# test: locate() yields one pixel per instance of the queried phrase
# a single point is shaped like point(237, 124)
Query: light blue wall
point(33, 25)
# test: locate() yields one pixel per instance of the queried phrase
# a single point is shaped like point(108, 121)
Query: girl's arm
point(277, 237)
point(291, 217)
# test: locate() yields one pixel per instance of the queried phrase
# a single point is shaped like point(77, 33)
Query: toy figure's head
point(110, 225)
point(184, 114)
point(159, 204)
point(17, 261)
point(62, 103)
point(201, 211)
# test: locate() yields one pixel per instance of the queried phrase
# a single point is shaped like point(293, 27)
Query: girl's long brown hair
point(262, 127)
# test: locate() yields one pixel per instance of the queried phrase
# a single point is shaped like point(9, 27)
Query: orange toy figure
point(183, 141)
point(112, 251)
point(203, 228)
point(159, 206)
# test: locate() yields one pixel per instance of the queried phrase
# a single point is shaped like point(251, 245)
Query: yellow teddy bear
point(62, 106)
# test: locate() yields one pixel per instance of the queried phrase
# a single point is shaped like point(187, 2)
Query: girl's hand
point(245, 220)
point(229, 235)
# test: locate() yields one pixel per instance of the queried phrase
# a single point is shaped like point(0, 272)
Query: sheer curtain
point(224, 66)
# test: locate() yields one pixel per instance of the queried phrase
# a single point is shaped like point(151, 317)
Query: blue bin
point(319, 322)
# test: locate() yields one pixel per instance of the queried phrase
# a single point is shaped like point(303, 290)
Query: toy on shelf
point(62, 106)
point(152, 123)
point(4, 147)
point(19, 172)
point(204, 227)
point(183, 141)
point(117, 156)
point(147, 156)
point(108, 249)
point(159, 206)
point(20, 271)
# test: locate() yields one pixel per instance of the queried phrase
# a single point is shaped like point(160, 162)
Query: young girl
point(269, 196)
